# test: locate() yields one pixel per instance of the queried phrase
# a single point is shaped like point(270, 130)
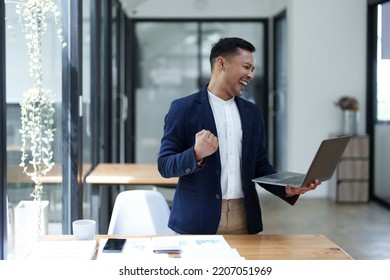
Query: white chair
point(140, 212)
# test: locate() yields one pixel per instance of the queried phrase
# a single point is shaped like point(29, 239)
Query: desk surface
point(269, 246)
point(286, 247)
point(128, 174)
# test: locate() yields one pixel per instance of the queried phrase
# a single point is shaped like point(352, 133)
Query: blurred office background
point(131, 58)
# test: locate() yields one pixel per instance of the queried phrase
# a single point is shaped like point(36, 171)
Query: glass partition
point(173, 61)
point(382, 120)
point(383, 66)
point(18, 81)
point(167, 67)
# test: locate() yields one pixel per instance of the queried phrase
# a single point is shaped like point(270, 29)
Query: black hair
point(229, 46)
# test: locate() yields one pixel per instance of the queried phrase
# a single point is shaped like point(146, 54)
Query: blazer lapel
point(207, 118)
point(205, 112)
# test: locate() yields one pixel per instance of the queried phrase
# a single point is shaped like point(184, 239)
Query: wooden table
point(286, 247)
point(267, 246)
point(54, 176)
point(128, 174)
point(15, 175)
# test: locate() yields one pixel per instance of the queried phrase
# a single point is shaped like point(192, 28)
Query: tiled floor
point(361, 230)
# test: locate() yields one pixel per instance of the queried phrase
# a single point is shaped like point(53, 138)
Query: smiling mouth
point(243, 84)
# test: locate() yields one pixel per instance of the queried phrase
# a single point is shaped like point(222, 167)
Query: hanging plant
point(37, 133)
point(37, 111)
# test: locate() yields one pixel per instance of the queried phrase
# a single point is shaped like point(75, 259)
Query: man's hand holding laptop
point(290, 191)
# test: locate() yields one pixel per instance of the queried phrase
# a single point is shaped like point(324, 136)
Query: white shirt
point(228, 123)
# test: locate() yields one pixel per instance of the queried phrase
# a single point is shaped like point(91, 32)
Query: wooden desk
point(14, 148)
point(128, 174)
point(54, 176)
point(268, 246)
point(286, 247)
point(15, 175)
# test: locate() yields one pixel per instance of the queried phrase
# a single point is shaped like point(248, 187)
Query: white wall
point(326, 60)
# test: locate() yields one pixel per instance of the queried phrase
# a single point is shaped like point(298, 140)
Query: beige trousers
point(233, 217)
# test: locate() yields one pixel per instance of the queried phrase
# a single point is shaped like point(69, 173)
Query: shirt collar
point(217, 99)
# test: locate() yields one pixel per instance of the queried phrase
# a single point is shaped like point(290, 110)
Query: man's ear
point(220, 63)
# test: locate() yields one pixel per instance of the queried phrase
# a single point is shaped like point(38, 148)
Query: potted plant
point(348, 103)
point(37, 121)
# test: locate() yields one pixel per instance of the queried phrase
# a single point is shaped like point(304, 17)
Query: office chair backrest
point(140, 212)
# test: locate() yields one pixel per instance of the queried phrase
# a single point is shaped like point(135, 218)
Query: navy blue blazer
point(196, 207)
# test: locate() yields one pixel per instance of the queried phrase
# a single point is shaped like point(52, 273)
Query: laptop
point(322, 167)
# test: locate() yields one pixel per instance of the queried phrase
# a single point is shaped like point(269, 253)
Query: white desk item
point(63, 250)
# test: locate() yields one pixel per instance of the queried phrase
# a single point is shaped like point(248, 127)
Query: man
point(214, 141)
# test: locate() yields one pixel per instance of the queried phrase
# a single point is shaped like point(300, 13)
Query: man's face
point(238, 72)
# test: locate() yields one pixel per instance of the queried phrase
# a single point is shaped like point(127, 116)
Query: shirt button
point(217, 196)
point(188, 170)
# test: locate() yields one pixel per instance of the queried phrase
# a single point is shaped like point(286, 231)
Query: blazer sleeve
point(176, 157)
